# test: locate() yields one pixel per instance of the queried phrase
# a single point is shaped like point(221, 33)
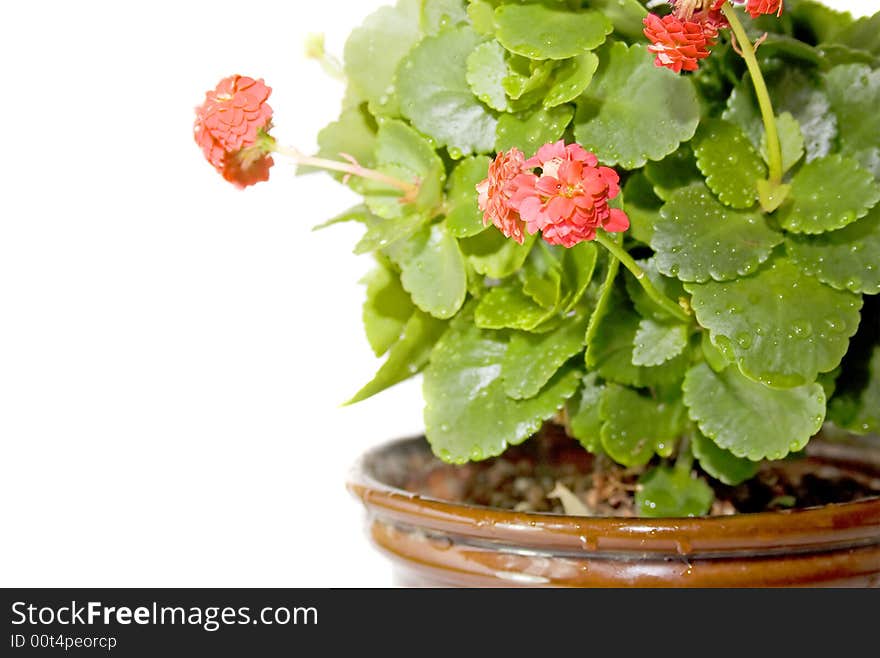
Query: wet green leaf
point(529, 131)
point(541, 31)
point(731, 165)
point(722, 464)
point(435, 95)
point(749, 419)
point(635, 427)
point(432, 270)
point(492, 254)
point(847, 259)
point(468, 416)
point(532, 359)
point(570, 79)
point(656, 342)
point(508, 307)
point(386, 309)
point(463, 217)
point(791, 141)
point(827, 194)
point(782, 327)
point(584, 417)
point(407, 356)
point(374, 50)
point(627, 94)
point(486, 71)
point(670, 492)
point(698, 239)
point(438, 15)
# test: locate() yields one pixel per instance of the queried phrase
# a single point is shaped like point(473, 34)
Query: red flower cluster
point(229, 125)
point(758, 7)
point(679, 44)
point(684, 37)
point(567, 202)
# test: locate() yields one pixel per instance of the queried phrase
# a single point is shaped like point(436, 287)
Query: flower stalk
point(618, 252)
point(772, 193)
point(351, 168)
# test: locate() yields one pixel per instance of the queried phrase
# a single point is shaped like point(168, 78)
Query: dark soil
point(527, 478)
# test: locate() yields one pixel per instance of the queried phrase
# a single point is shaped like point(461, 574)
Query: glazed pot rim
point(830, 526)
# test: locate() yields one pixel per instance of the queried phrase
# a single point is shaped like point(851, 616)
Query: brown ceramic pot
point(440, 543)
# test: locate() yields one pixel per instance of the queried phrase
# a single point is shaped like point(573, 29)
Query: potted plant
point(636, 258)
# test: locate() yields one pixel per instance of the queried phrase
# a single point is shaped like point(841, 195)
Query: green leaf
point(508, 307)
point(604, 302)
point(438, 15)
point(610, 350)
point(382, 233)
point(626, 16)
point(358, 213)
point(468, 416)
point(636, 427)
point(571, 78)
point(729, 162)
point(578, 265)
point(435, 95)
point(482, 15)
point(670, 492)
point(698, 239)
point(374, 50)
point(642, 207)
point(658, 342)
point(676, 170)
point(793, 90)
point(584, 418)
point(646, 306)
point(821, 22)
point(751, 420)
point(791, 141)
point(527, 78)
point(864, 415)
point(854, 92)
point(532, 359)
point(530, 130)
point(486, 71)
point(716, 359)
point(432, 270)
point(827, 194)
point(407, 356)
point(782, 327)
point(386, 309)
point(539, 31)
point(863, 34)
point(351, 133)
point(492, 254)
point(399, 145)
point(464, 217)
point(847, 259)
point(541, 276)
point(628, 94)
point(722, 464)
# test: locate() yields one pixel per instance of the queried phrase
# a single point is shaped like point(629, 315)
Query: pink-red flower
point(231, 128)
point(679, 44)
point(507, 174)
point(758, 7)
point(568, 201)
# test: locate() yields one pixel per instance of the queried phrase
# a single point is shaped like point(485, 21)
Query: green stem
point(685, 459)
point(352, 168)
point(627, 261)
point(774, 150)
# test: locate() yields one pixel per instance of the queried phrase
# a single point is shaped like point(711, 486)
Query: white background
point(173, 351)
